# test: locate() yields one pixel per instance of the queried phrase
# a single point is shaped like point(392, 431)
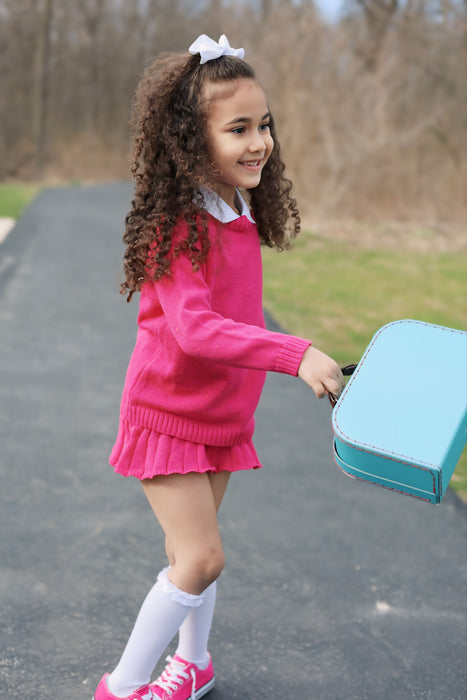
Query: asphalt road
point(333, 589)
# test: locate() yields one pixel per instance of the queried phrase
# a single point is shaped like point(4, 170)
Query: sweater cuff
point(291, 354)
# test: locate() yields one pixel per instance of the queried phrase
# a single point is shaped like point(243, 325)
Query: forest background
point(371, 108)
point(371, 113)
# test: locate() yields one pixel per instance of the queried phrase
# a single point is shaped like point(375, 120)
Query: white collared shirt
point(221, 211)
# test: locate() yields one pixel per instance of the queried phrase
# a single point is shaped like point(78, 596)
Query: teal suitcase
point(401, 421)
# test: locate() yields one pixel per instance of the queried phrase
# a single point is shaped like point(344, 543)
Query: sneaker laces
point(175, 675)
point(149, 695)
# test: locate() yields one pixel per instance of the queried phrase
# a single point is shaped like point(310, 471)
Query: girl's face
point(239, 138)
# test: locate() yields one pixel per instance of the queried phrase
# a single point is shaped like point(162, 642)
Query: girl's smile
point(254, 165)
point(240, 139)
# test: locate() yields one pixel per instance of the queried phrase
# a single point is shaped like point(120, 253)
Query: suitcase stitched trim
point(391, 459)
point(383, 486)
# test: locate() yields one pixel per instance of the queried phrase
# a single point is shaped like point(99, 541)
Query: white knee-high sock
point(194, 631)
point(158, 621)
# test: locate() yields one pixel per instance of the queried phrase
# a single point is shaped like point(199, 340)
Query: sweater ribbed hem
point(289, 358)
point(186, 429)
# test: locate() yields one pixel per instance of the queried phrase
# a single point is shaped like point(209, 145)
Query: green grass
point(338, 295)
point(15, 197)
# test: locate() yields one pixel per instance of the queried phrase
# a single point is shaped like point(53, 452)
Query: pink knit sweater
point(202, 350)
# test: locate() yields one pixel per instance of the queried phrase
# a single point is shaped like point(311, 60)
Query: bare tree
point(378, 15)
point(41, 82)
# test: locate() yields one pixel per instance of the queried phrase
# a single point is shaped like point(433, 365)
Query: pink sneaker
point(181, 680)
point(103, 692)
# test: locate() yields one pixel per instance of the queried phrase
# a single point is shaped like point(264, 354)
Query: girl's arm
point(200, 332)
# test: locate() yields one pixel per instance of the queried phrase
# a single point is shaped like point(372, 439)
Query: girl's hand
point(321, 373)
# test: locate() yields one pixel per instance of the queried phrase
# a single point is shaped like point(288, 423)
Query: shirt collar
point(221, 211)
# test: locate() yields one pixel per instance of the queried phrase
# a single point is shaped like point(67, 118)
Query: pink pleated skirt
point(142, 453)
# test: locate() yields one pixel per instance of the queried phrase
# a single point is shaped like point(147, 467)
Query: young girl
point(204, 130)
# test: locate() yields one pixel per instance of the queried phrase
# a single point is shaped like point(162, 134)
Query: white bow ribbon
point(210, 49)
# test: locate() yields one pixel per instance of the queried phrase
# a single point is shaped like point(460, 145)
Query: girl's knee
point(207, 566)
point(213, 565)
point(200, 569)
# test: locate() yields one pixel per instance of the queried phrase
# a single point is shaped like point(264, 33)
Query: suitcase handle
point(347, 371)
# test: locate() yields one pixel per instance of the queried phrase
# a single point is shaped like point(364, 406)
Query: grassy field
point(13, 198)
point(338, 294)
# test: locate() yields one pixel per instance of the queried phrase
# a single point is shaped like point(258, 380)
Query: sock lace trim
point(179, 596)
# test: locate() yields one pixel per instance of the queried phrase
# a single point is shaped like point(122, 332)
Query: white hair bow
point(210, 49)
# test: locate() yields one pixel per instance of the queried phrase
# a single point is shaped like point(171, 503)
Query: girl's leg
point(186, 509)
point(186, 506)
point(194, 632)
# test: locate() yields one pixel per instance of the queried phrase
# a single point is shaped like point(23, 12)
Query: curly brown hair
point(171, 165)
